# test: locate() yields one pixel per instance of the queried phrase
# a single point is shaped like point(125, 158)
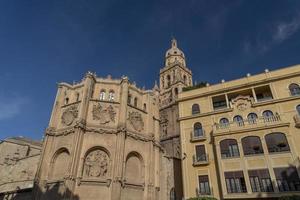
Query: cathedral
point(109, 139)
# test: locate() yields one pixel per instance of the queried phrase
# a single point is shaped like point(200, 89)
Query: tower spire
point(174, 43)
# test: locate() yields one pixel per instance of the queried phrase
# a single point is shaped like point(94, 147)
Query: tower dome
point(174, 55)
point(174, 50)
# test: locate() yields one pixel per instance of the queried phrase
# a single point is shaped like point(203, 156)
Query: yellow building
point(240, 139)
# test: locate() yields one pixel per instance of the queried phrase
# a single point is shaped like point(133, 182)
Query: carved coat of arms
point(136, 120)
point(103, 115)
point(242, 103)
point(96, 164)
point(69, 115)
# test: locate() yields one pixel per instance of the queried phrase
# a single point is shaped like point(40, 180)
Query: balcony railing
point(204, 192)
point(249, 123)
point(198, 136)
point(297, 120)
point(200, 159)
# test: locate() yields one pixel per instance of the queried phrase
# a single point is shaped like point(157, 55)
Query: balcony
point(297, 121)
point(250, 124)
point(204, 192)
point(198, 136)
point(200, 160)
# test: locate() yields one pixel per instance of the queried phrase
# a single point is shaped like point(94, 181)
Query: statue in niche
point(136, 120)
point(103, 115)
point(69, 115)
point(164, 123)
point(96, 164)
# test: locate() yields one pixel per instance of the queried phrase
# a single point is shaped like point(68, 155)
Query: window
point(252, 145)
point(195, 109)
point(129, 99)
point(111, 96)
point(198, 131)
point(277, 142)
point(176, 91)
point(135, 102)
point(268, 116)
point(294, 89)
point(238, 120)
point(204, 188)
point(298, 109)
point(168, 80)
point(77, 96)
point(267, 113)
point(102, 95)
point(224, 122)
point(184, 79)
point(252, 118)
point(287, 179)
point(200, 153)
point(66, 101)
point(229, 148)
point(145, 107)
point(235, 182)
point(260, 180)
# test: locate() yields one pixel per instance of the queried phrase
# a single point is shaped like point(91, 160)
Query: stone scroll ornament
point(96, 164)
point(103, 115)
point(136, 120)
point(69, 115)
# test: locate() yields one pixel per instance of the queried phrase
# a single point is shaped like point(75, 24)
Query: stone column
point(79, 134)
point(120, 143)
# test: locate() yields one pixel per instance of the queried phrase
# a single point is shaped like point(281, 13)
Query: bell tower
point(174, 76)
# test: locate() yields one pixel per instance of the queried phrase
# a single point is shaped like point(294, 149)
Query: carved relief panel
point(103, 113)
point(241, 103)
point(96, 164)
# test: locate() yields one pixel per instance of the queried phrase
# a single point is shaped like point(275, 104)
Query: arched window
point(145, 107)
point(238, 120)
point(66, 101)
point(294, 89)
point(129, 99)
point(111, 95)
point(102, 95)
point(184, 79)
point(198, 130)
point(277, 142)
point(172, 194)
point(176, 91)
point(298, 109)
point(229, 148)
point(268, 113)
point(168, 80)
point(224, 122)
point(252, 145)
point(135, 102)
point(252, 117)
point(195, 109)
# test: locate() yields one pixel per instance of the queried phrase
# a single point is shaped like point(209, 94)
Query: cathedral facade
point(108, 138)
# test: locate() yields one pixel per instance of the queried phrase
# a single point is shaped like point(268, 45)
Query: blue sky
point(45, 42)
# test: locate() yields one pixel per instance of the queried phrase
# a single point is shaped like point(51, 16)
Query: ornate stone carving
point(96, 164)
point(136, 120)
point(164, 123)
point(103, 115)
point(69, 115)
point(242, 103)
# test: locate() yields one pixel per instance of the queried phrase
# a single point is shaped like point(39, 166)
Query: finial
point(174, 43)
